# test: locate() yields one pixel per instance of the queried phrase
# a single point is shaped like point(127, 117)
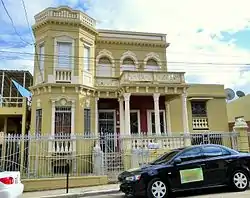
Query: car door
point(217, 160)
point(189, 172)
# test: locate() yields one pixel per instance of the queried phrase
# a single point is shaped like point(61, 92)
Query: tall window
point(128, 65)
point(87, 121)
point(199, 108)
point(104, 67)
point(38, 122)
point(86, 59)
point(63, 120)
point(64, 50)
point(41, 59)
point(152, 65)
point(152, 121)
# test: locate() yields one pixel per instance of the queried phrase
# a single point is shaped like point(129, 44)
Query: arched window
point(128, 64)
point(152, 65)
point(104, 67)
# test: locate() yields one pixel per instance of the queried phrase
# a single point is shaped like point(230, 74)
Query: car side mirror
point(177, 161)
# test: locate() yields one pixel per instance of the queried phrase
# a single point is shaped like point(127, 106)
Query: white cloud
point(180, 19)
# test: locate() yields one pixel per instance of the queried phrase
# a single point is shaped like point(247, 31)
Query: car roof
point(199, 146)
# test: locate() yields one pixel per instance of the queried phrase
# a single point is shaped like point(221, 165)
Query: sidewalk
point(62, 192)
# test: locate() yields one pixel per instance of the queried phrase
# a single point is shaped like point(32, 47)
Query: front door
point(189, 173)
point(106, 126)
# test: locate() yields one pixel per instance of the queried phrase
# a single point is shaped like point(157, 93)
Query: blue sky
point(196, 34)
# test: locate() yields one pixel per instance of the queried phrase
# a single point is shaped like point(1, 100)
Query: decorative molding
point(152, 55)
point(64, 36)
point(87, 103)
point(63, 99)
point(240, 123)
point(38, 103)
point(63, 89)
point(105, 53)
point(132, 42)
point(129, 54)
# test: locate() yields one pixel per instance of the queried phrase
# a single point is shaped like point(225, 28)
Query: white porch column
point(185, 113)
point(73, 109)
point(53, 109)
point(121, 115)
point(157, 114)
point(127, 113)
point(96, 117)
point(168, 118)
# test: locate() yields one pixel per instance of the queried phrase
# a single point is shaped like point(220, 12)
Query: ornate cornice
point(78, 24)
point(132, 42)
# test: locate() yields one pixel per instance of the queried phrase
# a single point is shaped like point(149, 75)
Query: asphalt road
point(218, 193)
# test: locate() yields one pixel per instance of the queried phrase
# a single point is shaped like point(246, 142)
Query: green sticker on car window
point(191, 175)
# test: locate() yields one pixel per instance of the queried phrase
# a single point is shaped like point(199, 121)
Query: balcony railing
point(63, 75)
point(151, 77)
point(12, 101)
point(200, 123)
point(65, 13)
point(62, 145)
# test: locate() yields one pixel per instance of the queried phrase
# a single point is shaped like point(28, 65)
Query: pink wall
point(142, 103)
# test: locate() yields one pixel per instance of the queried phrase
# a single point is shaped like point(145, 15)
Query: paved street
point(202, 194)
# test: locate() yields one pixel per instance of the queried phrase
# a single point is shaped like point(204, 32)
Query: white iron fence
point(48, 156)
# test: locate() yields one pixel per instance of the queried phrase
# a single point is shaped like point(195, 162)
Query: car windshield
point(165, 158)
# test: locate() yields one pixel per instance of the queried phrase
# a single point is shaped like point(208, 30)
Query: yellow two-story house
point(96, 82)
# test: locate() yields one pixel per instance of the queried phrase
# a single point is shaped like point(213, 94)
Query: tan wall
point(216, 107)
point(217, 115)
point(46, 106)
point(118, 50)
point(238, 108)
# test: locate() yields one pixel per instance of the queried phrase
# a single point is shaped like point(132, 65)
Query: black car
point(190, 168)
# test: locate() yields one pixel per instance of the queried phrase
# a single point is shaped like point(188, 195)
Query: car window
point(165, 158)
point(214, 151)
point(191, 154)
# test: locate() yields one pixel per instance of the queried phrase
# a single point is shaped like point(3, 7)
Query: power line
point(27, 20)
point(118, 60)
point(13, 25)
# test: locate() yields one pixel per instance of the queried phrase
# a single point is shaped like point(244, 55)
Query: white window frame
point(85, 46)
point(66, 39)
point(149, 120)
point(138, 117)
point(115, 131)
point(69, 56)
point(105, 66)
point(152, 68)
point(108, 110)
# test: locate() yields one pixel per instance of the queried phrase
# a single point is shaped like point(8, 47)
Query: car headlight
point(133, 178)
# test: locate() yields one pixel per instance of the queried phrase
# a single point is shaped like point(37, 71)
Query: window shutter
point(64, 54)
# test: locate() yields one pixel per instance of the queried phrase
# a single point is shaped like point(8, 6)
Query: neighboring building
point(14, 109)
point(14, 116)
point(91, 81)
point(238, 109)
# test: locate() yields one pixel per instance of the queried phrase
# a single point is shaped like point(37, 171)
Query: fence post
point(135, 158)
point(241, 127)
point(98, 160)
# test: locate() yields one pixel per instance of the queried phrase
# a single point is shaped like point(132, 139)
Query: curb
point(84, 194)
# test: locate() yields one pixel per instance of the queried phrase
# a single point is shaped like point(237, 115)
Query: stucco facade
point(113, 82)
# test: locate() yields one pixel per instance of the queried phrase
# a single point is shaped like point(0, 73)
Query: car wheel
point(240, 180)
point(157, 189)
